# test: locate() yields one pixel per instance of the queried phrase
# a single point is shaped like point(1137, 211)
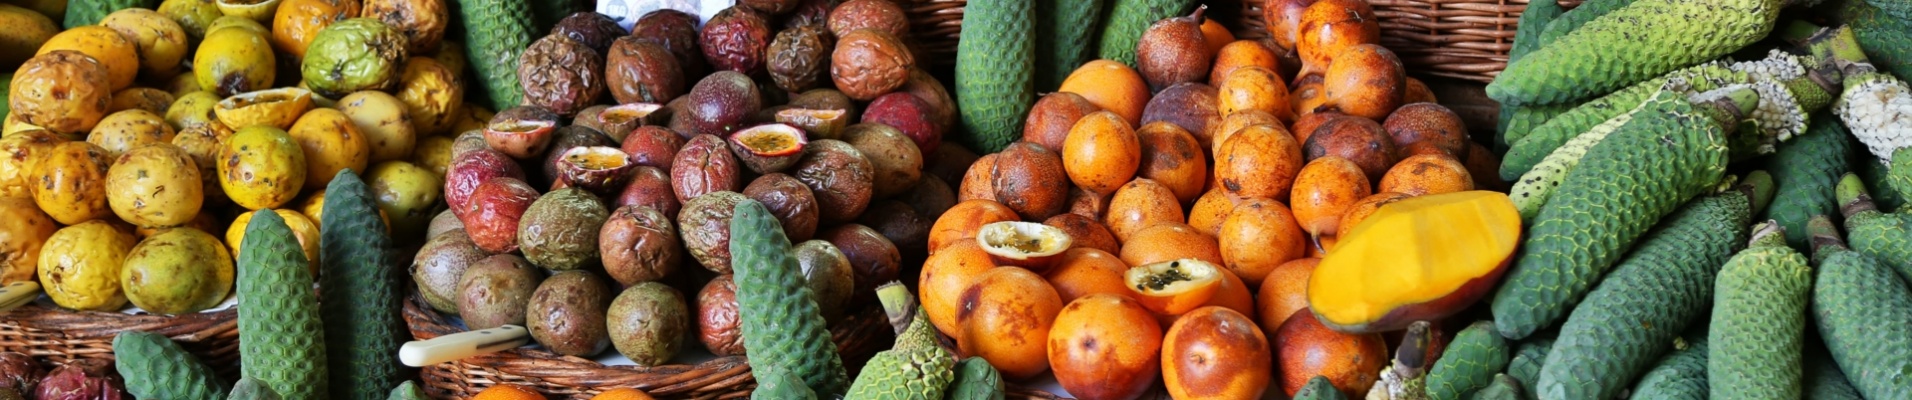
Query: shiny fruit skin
point(1242, 53)
point(1173, 157)
point(155, 185)
point(1256, 88)
point(261, 167)
point(1170, 241)
point(1258, 236)
point(115, 51)
point(1101, 152)
point(331, 143)
point(1211, 210)
point(1216, 353)
point(1307, 349)
point(1329, 27)
point(1083, 272)
point(1006, 316)
point(946, 275)
point(69, 182)
point(233, 61)
point(1324, 190)
point(1284, 291)
point(1427, 174)
point(1259, 161)
point(1366, 81)
point(1031, 180)
point(961, 222)
point(1112, 86)
point(1105, 346)
point(1140, 204)
point(1051, 118)
point(1085, 232)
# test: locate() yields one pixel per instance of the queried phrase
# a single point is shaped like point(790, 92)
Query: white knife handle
point(420, 353)
point(17, 294)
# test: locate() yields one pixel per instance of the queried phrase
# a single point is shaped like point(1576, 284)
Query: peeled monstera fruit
point(1418, 259)
point(353, 55)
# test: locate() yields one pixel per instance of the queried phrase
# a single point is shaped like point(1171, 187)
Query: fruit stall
point(949, 199)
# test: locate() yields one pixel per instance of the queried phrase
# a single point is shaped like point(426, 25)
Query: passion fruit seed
point(596, 159)
point(767, 142)
point(1161, 279)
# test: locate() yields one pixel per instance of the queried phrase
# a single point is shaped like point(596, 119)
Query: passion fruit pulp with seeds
point(598, 169)
point(277, 108)
point(521, 132)
point(618, 121)
point(1024, 244)
point(822, 124)
point(769, 148)
point(1174, 287)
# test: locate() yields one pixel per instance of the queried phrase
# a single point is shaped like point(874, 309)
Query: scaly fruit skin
point(1898, 176)
point(1640, 173)
point(1519, 121)
point(782, 329)
point(1543, 139)
point(156, 368)
point(1625, 47)
point(1319, 388)
point(1579, 16)
point(994, 81)
point(360, 284)
point(1469, 363)
point(1878, 181)
point(1678, 376)
point(1065, 38)
point(1631, 319)
point(1877, 107)
point(1824, 380)
point(1861, 308)
point(1804, 173)
point(496, 32)
point(780, 385)
point(1886, 237)
point(1503, 388)
point(252, 389)
point(1127, 19)
point(1759, 320)
point(408, 390)
point(1529, 357)
point(976, 380)
point(1887, 40)
point(281, 343)
point(1516, 121)
point(913, 368)
point(1535, 186)
point(89, 12)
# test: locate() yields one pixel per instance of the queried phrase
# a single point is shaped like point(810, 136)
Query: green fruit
point(251, 389)
point(1632, 317)
point(408, 390)
point(1469, 363)
point(495, 32)
point(177, 271)
point(1678, 376)
point(1503, 387)
point(1529, 358)
point(976, 380)
point(1823, 378)
point(359, 280)
point(1625, 46)
point(281, 343)
point(1877, 181)
point(1886, 237)
point(560, 230)
point(1065, 38)
point(1805, 170)
point(1854, 297)
point(915, 367)
point(1887, 40)
point(647, 323)
point(1759, 320)
point(1578, 235)
point(353, 55)
point(1319, 388)
point(156, 368)
point(89, 12)
point(782, 328)
point(1898, 175)
point(1516, 121)
point(1532, 147)
point(1579, 16)
point(994, 72)
point(780, 385)
point(1128, 19)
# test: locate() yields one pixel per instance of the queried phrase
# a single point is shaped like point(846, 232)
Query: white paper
point(626, 12)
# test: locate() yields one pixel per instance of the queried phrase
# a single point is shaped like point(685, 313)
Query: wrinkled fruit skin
point(840, 177)
point(911, 115)
point(717, 321)
point(82, 379)
point(19, 372)
point(353, 55)
point(735, 40)
point(63, 91)
point(565, 139)
point(790, 201)
point(592, 29)
point(494, 209)
point(800, 57)
point(868, 63)
point(559, 231)
point(705, 165)
point(471, 169)
point(639, 244)
point(881, 15)
point(677, 32)
point(561, 74)
point(705, 225)
point(640, 71)
point(421, 21)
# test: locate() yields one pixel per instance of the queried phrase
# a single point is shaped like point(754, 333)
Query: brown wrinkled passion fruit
point(718, 326)
point(704, 165)
point(868, 63)
point(598, 169)
point(768, 148)
point(640, 71)
point(677, 32)
point(1024, 244)
point(705, 225)
point(789, 200)
point(521, 132)
point(649, 187)
point(561, 74)
point(653, 146)
point(592, 29)
point(872, 257)
point(840, 177)
point(565, 139)
point(811, 13)
point(639, 244)
point(800, 57)
point(882, 15)
point(735, 40)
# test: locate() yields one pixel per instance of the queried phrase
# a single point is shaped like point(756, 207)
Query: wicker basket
point(58, 336)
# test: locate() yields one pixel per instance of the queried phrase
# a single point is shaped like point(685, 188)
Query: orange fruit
point(1242, 53)
point(1417, 92)
point(622, 394)
point(1258, 236)
point(1426, 174)
point(1088, 204)
point(1101, 152)
point(1173, 287)
point(1305, 349)
point(1216, 36)
point(1053, 115)
point(1255, 88)
point(1306, 125)
point(1329, 28)
point(1365, 81)
point(1210, 211)
point(297, 22)
point(1310, 92)
point(960, 223)
point(979, 182)
point(1259, 161)
point(1284, 20)
point(1172, 157)
point(1484, 166)
point(1284, 290)
point(1170, 241)
point(945, 276)
point(1085, 232)
point(1362, 209)
point(118, 54)
point(1216, 353)
point(1234, 123)
point(506, 391)
point(1360, 140)
point(1324, 190)
point(1140, 204)
point(1006, 316)
point(1085, 271)
point(1232, 293)
point(1111, 85)
point(1105, 347)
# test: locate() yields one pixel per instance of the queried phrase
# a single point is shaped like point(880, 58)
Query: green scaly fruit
point(1126, 22)
point(780, 385)
point(1524, 119)
point(782, 328)
point(154, 367)
point(1631, 319)
point(1804, 172)
point(281, 342)
point(1529, 357)
point(252, 389)
point(1823, 379)
point(1572, 20)
point(1536, 145)
point(1886, 237)
point(1065, 39)
point(1877, 179)
point(915, 367)
point(1626, 46)
point(1726, 105)
point(995, 83)
point(1680, 375)
point(359, 282)
point(1677, 152)
point(1319, 388)
point(1887, 40)
point(408, 390)
point(976, 380)
point(496, 32)
point(1759, 320)
point(1516, 121)
point(89, 12)
point(1853, 299)
point(1469, 363)
point(1503, 387)
point(1898, 176)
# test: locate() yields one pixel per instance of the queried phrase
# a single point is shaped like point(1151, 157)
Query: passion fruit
point(385, 121)
point(1030, 179)
point(735, 40)
point(677, 32)
point(155, 185)
point(277, 108)
point(18, 152)
point(23, 230)
point(438, 265)
point(559, 231)
point(69, 182)
point(353, 55)
point(63, 91)
point(718, 324)
point(826, 270)
point(1174, 287)
point(298, 21)
point(791, 202)
point(841, 177)
point(820, 124)
point(868, 63)
point(720, 104)
point(800, 57)
point(653, 146)
point(618, 121)
point(561, 74)
point(263, 167)
point(562, 141)
point(160, 41)
point(594, 30)
point(598, 169)
point(80, 266)
point(493, 213)
point(115, 51)
point(649, 187)
point(422, 22)
point(433, 93)
point(125, 130)
point(881, 15)
point(705, 224)
point(1024, 244)
point(521, 132)
point(639, 244)
point(873, 257)
point(641, 71)
point(768, 148)
point(897, 163)
point(472, 168)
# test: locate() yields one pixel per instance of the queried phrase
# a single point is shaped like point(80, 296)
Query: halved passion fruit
point(618, 121)
point(821, 124)
point(256, 10)
point(1174, 287)
point(598, 169)
point(768, 148)
point(277, 108)
point(1024, 244)
point(521, 132)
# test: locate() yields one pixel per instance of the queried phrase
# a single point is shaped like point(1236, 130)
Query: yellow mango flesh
point(1422, 251)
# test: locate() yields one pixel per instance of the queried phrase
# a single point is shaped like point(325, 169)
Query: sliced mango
point(1422, 258)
